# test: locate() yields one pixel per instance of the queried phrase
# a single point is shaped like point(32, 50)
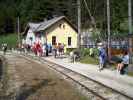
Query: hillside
point(10, 39)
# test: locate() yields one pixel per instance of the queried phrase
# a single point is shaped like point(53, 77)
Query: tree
point(38, 10)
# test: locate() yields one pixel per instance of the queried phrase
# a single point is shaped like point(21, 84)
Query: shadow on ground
point(26, 91)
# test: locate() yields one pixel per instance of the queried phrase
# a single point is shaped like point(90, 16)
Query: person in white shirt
point(124, 64)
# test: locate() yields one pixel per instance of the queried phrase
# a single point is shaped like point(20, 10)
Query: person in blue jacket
point(102, 57)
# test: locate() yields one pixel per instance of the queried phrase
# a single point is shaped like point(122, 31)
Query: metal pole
point(18, 31)
point(130, 29)
point(79, 24)
point(108, 25)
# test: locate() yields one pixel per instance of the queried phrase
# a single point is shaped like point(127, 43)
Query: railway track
point(98, 90)
point(31, 80)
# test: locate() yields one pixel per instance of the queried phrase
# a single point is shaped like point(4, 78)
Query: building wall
point(29, 35)
point(62, 34)
point(35, 39)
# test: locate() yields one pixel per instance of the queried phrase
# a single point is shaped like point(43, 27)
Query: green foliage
point(89, 60)
point(38, 10)
point(97, 35)
point(96, 52)
point(130, 74)
point(119, 11)
point(32, 10)
point(86, 58)
point(85, 51)
point(68, 50)
point(10, 39)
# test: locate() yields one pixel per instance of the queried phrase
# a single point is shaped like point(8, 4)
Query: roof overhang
point(43, 26)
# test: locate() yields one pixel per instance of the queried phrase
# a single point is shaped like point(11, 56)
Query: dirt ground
point(33, 81)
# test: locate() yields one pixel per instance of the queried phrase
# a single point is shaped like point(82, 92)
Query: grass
point(10, 39)
point(89, 60)
point(130, 74)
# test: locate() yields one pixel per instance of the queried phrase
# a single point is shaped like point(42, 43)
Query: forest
point(93, 13)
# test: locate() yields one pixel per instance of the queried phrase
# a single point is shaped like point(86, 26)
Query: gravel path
point(29, 80)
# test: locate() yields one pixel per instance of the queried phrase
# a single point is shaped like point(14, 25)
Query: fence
point(115, 49)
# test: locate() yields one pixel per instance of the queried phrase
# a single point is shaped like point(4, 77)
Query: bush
point(85, 52)
point(85, 56)
point(89, 60)
point(68, 50)
point(10, 39)
point(96, 52)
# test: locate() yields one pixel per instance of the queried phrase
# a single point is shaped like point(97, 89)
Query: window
point(30, 38)
point(53, 40)
point(63, 26)
point(69, 41)
point(60, 25)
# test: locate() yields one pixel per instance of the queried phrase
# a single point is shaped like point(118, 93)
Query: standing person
point(34, 49)
point(39, 49)
point(102, 56)
point(4, 48)
point(62, 48)
point(59, 49)
point(44, 49)
point(47, 49)
point(55, 49)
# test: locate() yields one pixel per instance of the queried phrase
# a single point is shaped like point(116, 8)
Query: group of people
point(40, 49)
point(58, 49)
point(122, 65)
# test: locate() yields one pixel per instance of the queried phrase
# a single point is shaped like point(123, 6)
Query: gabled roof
point(34, 26)
point(49, 23)
point(46, 24)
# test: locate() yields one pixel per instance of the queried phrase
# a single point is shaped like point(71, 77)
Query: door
point(69, 41)
point(53, 40)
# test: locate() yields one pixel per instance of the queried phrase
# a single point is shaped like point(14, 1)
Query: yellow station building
point(54, 31)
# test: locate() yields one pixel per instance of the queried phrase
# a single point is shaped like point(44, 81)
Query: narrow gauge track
point(99, 90)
